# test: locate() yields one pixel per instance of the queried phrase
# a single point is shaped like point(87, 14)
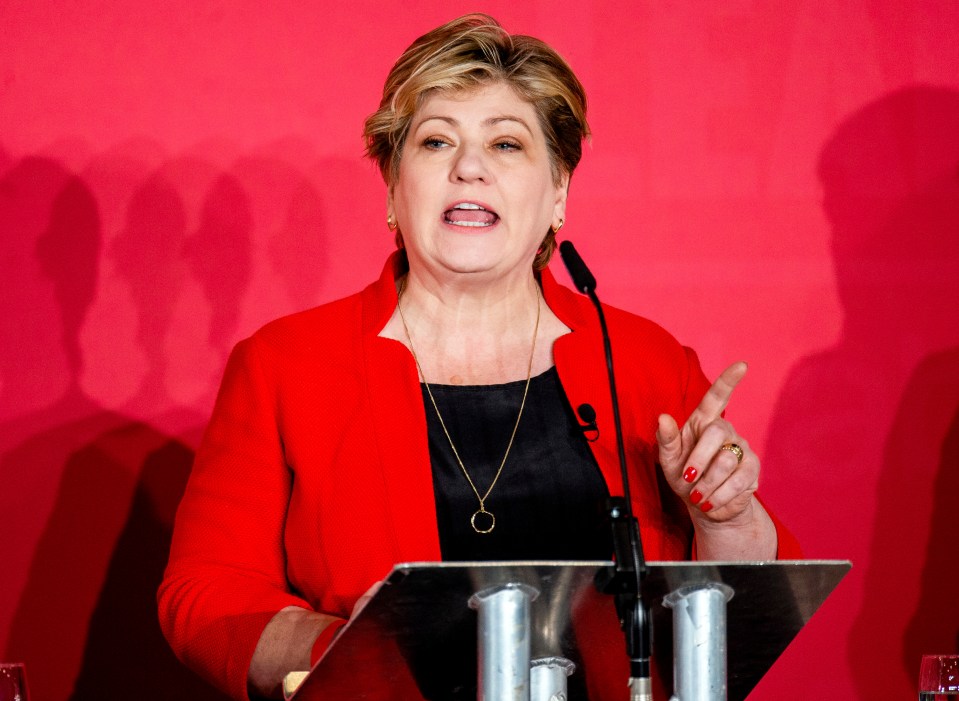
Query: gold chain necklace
point(481, 512)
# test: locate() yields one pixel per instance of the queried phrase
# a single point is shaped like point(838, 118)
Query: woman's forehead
point(486, 102)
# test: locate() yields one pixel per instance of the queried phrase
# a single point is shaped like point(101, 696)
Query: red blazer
point(313, 477)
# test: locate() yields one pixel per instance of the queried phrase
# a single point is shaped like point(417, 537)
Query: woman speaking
point(429, 417)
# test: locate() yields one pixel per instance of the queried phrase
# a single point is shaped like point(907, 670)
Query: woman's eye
point(507, 145)
point(434, 143)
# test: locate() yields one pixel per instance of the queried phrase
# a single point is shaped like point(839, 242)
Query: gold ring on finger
point(734, 449)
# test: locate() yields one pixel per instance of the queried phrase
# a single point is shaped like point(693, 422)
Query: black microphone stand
point(625, 579)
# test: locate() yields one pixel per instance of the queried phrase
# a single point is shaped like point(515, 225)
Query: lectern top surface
point(416, 639)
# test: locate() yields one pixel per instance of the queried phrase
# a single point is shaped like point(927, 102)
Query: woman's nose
point(471, 165)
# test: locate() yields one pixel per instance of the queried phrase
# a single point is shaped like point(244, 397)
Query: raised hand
point(716, 473)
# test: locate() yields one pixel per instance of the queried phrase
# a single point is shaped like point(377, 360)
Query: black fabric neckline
point(548, 502)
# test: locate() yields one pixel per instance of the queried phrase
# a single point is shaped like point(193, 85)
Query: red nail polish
point(696, 497)
point(690, 474)
point(706, 506)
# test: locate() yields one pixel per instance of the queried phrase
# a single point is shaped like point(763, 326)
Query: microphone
point(587, 414)
point(586, 283)
point(625, 580)
point(582, 278)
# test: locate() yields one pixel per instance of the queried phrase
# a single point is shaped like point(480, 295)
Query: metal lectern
point(540, 631)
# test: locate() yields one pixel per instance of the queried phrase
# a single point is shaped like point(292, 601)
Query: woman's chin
point(470, 265)
point(471, 257)
point(469, 273)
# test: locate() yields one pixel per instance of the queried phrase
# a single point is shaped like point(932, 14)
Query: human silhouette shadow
point(293, 222)
point(865, 424)
point(218, 257)
point(38, 196)
point(125, 648)
point(931, 402)
point(51, 236)
point(89, 601)
point(125, 654)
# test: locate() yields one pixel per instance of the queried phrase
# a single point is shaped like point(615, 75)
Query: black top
point(548, 502)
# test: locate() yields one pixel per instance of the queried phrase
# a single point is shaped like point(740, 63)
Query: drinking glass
point(939, 678)
point(13, 682)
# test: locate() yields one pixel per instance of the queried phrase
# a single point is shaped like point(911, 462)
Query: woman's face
point(475, 192)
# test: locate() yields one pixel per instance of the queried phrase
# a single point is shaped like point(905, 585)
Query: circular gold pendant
point(486, 518)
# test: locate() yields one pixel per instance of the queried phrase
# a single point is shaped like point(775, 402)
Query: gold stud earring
point(390, 224)
point(557, 227)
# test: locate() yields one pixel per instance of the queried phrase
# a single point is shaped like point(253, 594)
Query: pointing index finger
point(717, 396)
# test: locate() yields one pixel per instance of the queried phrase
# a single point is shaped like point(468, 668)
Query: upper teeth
point(468, 205)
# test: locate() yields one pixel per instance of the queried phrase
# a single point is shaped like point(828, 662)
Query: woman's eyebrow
point(492, 121)
point(449, 120)
point(509, 118)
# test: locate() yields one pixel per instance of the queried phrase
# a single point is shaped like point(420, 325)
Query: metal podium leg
point(504, 641)
point(547, 678)
point(699, 641)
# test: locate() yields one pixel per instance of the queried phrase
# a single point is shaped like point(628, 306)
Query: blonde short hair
point(467, 53)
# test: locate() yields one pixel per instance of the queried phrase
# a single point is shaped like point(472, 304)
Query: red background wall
point(777, 182)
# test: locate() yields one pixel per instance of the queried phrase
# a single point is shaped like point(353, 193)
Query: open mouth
point(470, 215)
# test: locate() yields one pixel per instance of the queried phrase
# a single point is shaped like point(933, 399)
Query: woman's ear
point(390, 215)
point(562, 192)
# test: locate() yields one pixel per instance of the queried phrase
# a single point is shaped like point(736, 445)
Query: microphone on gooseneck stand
point(625, 578)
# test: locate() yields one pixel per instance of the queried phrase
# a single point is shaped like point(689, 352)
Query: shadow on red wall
point(88, 603)
point(870, 425)
point(179, 238)
point(124, 648)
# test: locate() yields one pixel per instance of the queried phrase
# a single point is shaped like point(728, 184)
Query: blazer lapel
point(398, 428)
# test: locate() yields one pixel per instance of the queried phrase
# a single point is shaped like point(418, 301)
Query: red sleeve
point(226, 577)
point(325, 639)
point(789, 548)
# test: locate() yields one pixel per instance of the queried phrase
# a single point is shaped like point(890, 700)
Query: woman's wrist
point(285, 646)
point(751, 535)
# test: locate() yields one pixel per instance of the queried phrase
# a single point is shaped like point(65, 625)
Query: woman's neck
point(474, 334)
point(471, 307)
